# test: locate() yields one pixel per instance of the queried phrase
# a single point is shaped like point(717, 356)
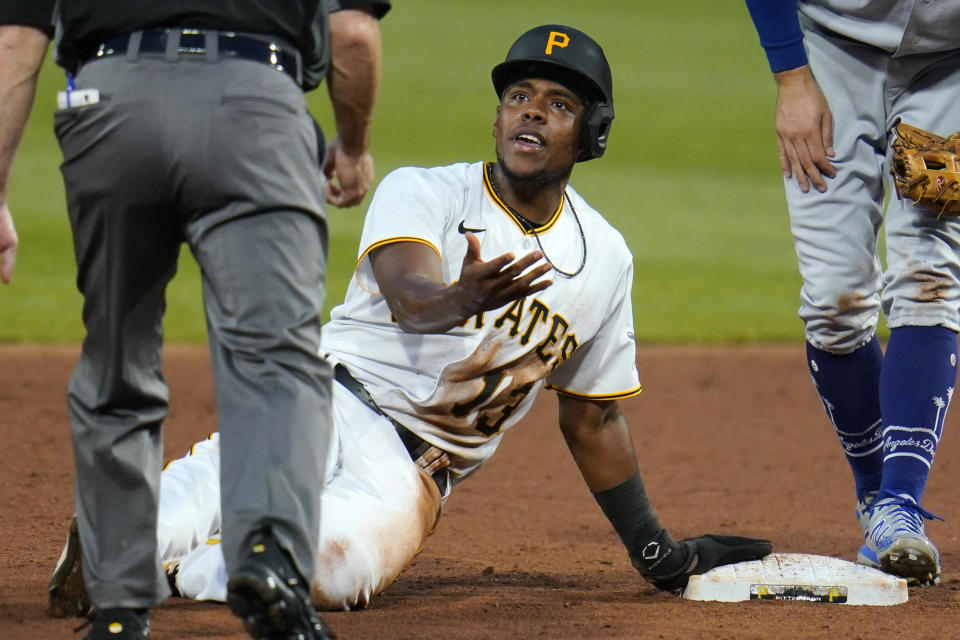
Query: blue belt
point(271, 52)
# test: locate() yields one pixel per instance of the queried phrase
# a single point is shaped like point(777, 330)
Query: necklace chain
point(573, 210)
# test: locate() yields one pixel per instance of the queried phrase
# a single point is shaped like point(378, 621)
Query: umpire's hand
point(8, 244)
point(709, 551)
point(349, 174)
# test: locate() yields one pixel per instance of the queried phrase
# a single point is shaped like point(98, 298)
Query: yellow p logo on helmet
point(573, 59)
point(556, 39)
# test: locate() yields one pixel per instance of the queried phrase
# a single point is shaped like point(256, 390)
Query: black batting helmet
point(574, 59)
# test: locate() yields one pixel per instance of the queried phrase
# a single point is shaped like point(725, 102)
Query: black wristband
point(652, 550)
point(628, 509)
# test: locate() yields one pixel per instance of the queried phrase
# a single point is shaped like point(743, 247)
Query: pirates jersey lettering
point(461, 389)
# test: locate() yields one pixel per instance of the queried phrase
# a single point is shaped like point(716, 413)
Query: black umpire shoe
point(271, 597)
point(120, 624)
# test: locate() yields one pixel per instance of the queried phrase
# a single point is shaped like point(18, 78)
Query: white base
point(798, 576)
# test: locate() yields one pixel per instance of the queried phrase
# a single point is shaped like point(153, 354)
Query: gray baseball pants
point(223, 156)
point(835, 233)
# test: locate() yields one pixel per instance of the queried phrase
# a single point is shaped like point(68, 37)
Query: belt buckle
point(273, 56)
point(433, 460)
point(192, 34)
point(104, 50)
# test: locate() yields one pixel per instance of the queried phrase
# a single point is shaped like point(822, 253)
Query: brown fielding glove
point(926, 169)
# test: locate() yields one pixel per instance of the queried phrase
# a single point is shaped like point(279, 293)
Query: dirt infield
point(731, 440)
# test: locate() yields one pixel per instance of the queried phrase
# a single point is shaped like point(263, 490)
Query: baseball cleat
point(271, 598)
point(172, 571)
point(895, 540)
point(863, 511)
point(66, 593)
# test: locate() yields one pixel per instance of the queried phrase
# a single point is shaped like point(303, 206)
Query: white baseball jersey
point(461, 390)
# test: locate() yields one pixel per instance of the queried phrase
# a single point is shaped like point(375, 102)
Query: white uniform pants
point(376, 510)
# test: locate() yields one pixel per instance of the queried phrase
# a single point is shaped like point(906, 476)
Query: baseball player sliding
point(446, 337)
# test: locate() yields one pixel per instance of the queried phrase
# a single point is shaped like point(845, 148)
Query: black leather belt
point(273, 53)
point(427, 456)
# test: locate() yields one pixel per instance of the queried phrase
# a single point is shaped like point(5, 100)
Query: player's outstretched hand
point(8, 244)
point(492, 284)
point(711, 551)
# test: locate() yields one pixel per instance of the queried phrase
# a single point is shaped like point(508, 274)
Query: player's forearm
point(605, 464)
point(422, 305)
point(599, 440)
point(22, 50)
point(354, 78)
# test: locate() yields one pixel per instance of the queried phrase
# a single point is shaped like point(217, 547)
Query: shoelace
point(906, 518)
point(864, 506)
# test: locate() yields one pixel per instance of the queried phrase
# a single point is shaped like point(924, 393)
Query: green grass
point(690, 178)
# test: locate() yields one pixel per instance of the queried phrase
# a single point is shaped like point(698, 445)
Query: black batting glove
point(709, 551)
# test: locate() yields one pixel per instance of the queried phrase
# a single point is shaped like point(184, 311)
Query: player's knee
point(350, 570)
point(344, 577)
point(839, 342)
point(927, 299)
point(842, 322)
point(330, 594)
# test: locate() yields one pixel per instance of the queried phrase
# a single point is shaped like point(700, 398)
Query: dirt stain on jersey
point(332, 559)
point(521, 371)
point(930, 283)
point(528, 368)
point(477, 364)
point(354, 566)
point(847, 302)
point(478, 395)
point(932, 287)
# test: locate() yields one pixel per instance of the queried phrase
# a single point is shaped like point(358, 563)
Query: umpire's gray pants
point(223, 156)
